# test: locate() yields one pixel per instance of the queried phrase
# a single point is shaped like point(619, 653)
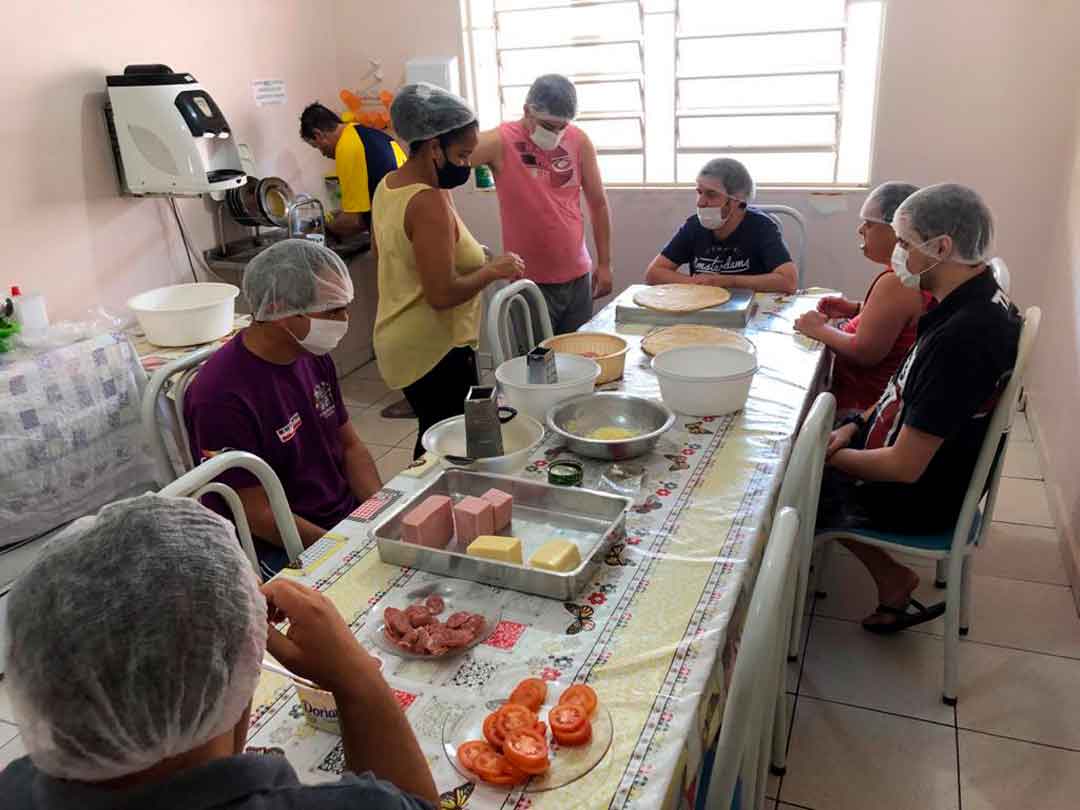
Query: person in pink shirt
point(542, 164)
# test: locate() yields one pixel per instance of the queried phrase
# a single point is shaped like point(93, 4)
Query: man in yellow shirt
point(362, 156)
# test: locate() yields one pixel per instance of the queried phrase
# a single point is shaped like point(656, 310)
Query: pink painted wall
point(66, 231)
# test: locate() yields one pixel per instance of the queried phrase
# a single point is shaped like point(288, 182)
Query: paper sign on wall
point(268, 91)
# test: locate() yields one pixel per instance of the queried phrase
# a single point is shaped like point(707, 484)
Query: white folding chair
point(1001, 273)
point(163, 414)
point(746, 734)
point(517, 320)
point(776, 211)
point(956, 547)
point(800, 490)
point(200, 481)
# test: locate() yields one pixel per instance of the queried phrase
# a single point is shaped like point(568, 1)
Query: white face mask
point(899, 264)
point(323, 336)
point(545, 138)
point(711, 218)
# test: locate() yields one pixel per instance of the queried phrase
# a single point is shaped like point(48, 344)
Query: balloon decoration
point(355, 112)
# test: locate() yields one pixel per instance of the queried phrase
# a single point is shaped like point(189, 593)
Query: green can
point(565, 473)
point(485, 180)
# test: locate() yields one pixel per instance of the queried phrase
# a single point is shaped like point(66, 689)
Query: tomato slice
point(527, 751)
point(487, 763)
point(577, 737)
point(581, 694)
point(513, 716)
point(530, 692)
point(567, 718)
point(468, 751)
point(541, 728)
point(499, 771)
point(492, 733)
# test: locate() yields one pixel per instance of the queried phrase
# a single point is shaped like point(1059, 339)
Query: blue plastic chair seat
point(924, 542)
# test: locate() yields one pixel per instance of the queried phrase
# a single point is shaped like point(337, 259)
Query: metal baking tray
point(541, 512)
point(734, 314)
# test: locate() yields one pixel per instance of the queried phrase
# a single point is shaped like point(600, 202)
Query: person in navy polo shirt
point(728, 242)
point(904, 464)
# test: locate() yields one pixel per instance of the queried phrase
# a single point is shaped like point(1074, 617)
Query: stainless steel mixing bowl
point(574, 419)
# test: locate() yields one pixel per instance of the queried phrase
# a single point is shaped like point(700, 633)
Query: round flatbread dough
point(689, 334)
point(679, 298)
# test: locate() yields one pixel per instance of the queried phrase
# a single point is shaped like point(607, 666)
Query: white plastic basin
point(577, 376)
point(186, 314)
point(705, 380)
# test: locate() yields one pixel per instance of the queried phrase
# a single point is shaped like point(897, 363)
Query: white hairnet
point(732, 175)
point(137, 635)
point(295, 277)
point(882, 202)
point(553, 95)
point(423, 111)
point(948, 209)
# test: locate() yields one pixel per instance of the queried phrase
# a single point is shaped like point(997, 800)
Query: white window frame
point(660, 117)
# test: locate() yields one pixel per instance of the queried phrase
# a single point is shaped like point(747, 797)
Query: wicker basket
point(607, 350)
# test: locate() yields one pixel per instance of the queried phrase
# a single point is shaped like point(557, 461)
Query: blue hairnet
point(137, 635)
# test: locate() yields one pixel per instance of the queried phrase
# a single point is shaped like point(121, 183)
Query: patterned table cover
point(656, 632)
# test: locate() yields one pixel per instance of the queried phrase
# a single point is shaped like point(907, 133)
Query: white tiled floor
point(870, 730)
point(389, 440)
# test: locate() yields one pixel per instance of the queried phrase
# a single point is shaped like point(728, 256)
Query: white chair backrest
point(200, 481)
point(163, 417)
point(517, 320)
point(802, 480)
point(776, 211)
point(1001, 273)
point(986, 476)
point(745, 743)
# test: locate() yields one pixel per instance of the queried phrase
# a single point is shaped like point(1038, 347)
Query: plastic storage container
point(705, 380)
point(186, 314)
point(577, 376)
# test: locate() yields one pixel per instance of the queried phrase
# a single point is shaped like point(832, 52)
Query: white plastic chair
point(800, 490)
point(746, 734)
point(519, 305)
point(970, 532)
point(200, 481)
point(1001, 273)
point(163, 415)
point(776, 211)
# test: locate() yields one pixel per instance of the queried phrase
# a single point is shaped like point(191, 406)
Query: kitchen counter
point(230, 264)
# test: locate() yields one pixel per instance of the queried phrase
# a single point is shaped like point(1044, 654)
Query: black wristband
point(854, 419)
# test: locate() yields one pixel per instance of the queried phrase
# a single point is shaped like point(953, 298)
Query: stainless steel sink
point(233, 260)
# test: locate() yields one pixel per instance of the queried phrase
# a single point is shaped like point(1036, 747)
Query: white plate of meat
point(436, 621)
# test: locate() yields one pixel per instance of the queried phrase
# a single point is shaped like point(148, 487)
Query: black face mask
point(451, 175)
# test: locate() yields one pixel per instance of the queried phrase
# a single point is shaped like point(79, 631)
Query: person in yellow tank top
point(431, 270)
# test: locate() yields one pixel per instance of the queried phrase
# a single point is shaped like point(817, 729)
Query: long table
point(655, 633)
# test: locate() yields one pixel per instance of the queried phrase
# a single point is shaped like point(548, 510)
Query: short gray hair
point(732, 175)
point(553, 94)
point(953, 210)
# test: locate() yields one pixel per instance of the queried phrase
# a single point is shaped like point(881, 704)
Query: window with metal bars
point(786, 86)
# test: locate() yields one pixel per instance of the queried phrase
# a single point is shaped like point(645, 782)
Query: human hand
point(602, 280)
point(509, 266)
point(711, 280)
point(836, 306)
point(811, 323)
point(318, 645)
point(840, 439)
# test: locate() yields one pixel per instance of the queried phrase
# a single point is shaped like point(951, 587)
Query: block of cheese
point(472, 518)
point(430, 524)
point(503, 549)
point(503, 504)
point(557, 555)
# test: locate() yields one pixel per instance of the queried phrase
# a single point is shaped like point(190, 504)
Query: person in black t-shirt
point(727, 243)
point(904, 465)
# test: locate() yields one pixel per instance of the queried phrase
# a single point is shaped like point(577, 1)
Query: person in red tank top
point(869, 346)
point(543, 167)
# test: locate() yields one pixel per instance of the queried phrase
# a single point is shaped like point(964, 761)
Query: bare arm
point(784, 279)
point(360, 468)
point(663, 270)
point(346, 224)
point(261, 519)
point(595, 197)
point(488, 150)
point(904, 462)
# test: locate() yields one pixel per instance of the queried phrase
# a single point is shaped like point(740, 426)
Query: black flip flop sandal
point(905, 618)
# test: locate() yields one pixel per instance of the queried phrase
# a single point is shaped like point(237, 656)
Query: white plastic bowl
point(520, 436)
point(577, 376)
point(186, 314)
point(705, 380)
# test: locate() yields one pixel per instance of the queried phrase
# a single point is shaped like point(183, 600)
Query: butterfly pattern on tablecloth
point(457, 798)
point(582, 618)
point(697, 429)
point(678, 462)
point(650, 504)
point(614, 555)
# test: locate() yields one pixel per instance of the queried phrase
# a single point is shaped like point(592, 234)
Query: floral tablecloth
point(655, 632)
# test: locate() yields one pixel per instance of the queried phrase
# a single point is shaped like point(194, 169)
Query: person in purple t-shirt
point(273, 391)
